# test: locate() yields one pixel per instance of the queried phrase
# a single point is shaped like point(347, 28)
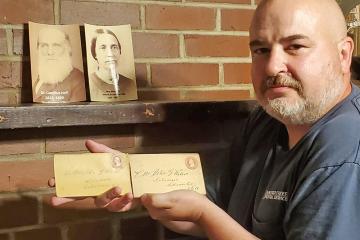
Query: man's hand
point(179, 205)
point(112, 200)
point(191, 213)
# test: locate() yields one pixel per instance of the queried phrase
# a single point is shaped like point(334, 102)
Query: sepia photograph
point(110, 58)
point(56, 63)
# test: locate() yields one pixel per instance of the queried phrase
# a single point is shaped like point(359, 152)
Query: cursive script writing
point(157, 172)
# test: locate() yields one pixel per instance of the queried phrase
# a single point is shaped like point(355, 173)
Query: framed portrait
point(56, 63)
point(110, 61)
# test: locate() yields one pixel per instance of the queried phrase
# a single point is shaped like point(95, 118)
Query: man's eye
point(260, 51)
point(294, 47)
point(43, 45)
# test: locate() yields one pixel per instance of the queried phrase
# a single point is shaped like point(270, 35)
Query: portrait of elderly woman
point(110, 78)
point(56, 76)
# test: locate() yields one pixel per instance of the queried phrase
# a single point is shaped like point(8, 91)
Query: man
point(58, 80)
point(295, 172)
point(106, 83)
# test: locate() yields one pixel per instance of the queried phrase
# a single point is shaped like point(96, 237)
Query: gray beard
point(53, 72)
point(305, 110)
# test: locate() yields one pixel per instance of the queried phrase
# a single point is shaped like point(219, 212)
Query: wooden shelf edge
point(82, 114)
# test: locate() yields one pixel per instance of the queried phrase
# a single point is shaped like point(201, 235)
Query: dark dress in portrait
point(102, 91)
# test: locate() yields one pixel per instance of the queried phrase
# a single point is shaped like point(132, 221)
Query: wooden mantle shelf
point(81, 114)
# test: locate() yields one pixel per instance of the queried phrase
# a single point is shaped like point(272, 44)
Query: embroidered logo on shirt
point(276, 195)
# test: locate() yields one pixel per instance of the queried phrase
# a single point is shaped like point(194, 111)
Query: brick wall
point(184, 50)
point(26, 165)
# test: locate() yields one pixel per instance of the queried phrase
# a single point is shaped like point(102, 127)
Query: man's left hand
point(179, 205)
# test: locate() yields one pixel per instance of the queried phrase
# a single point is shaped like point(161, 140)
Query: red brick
point(21, 73)
point(117, 136)
point(216, 46)
point(185, 74)
point(20, 11)
point(21, 42)
point(20, 141)
point(224, 1)
point(159, 95)
point(6, 76)
point(141, 75)
point(155, 45)
point(77, 144)
point(3, 42)
point(90, 231)
point(139, 228)
point(219, 95)
point(52, 233)
point(100, 13)
point(13, 73)
point(25, 175)
point(179, 18)
point(236, 19)
point(235, 73)
point(8, 98)
point(133, 0)
point(8, 147)
point(179, 133)
point(79, 204)
point(16, 212)
point(72, 212)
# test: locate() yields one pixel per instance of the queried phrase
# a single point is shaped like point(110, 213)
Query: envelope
point(90, 174)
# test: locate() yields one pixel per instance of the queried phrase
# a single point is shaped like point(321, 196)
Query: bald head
point(301, 58)
point(324, 16)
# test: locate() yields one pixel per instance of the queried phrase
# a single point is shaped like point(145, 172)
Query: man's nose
point(276, 62)
point(50, 51)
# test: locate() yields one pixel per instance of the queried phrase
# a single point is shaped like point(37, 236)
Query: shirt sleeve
point(326, 205)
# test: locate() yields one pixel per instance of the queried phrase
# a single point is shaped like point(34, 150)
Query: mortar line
point(9, 41)
point(57, 10)
point(185, 4)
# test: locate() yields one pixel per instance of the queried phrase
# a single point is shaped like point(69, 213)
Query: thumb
point(96, 147)
point(161, 200)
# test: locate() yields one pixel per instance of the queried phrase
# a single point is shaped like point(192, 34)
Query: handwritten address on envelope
point(91, 174)
point(157, 173)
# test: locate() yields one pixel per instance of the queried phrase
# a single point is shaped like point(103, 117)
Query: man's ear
point(346, 49)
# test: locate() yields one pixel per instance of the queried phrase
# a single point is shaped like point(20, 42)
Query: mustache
point(283, 81)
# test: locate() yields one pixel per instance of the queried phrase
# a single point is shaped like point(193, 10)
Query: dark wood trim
point(82, 114)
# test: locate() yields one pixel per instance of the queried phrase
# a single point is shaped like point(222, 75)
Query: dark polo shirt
point(311, 191)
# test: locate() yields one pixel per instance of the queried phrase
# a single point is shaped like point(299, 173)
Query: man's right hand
point(112, 200)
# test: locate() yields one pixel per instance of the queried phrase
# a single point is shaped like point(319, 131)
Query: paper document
point(91, 174)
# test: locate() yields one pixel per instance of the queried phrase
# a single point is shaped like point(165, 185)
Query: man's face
point(296, 69)
point(54, 54)
point(52, 44)
point(107, 50)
